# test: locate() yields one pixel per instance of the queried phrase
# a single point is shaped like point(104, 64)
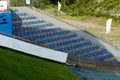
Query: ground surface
point(96, 26)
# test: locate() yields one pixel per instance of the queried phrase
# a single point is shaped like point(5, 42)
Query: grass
point(113, 38)
point(76, 18)
point(15, 65)
point(91, 19)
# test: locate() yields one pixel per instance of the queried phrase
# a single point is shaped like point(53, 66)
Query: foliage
point(78, 7)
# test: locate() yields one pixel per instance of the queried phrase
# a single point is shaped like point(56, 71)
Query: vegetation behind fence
point(97, 8)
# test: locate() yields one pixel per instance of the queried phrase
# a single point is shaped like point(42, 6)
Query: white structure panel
point(33, 49)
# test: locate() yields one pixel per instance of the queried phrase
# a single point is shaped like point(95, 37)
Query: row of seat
point(102, 58)
point(65, 42)
point(87, 43)
point(19, 14)
point(93, 54)
point(56, 39)
point(24, 18)
point(114, 60)
point(32, 27)
point(47, 35)
point(36, 31)
point(85, 50)
point(28, 23)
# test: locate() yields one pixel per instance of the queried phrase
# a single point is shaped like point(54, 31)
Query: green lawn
point(18, 66)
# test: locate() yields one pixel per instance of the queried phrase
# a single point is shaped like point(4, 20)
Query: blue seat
point(95, 53)
point(89, 49)
point(104, 57)
point(19, 14)
point(24, 18)
point(30, 27)
point(114, 60)
point(74, 46)
point(53, 34)
point(57, 38)
point(26, 23)
point(65, 43)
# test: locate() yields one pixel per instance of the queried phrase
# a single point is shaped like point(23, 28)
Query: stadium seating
point(24, 18)
point(56, 39)
point(35, 31)
point(19, 14)
point(47, 34)
point(28, 23)
point(31, 27)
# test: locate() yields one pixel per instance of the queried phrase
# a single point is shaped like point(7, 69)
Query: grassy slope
point(17, 66)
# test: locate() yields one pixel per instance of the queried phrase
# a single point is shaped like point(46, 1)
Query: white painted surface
point(27, 1)
point(59, 6)
point(33, 49)
point(3, 6)
point(108, 26)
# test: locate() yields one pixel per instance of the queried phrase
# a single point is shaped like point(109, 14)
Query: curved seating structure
point(44, 33)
